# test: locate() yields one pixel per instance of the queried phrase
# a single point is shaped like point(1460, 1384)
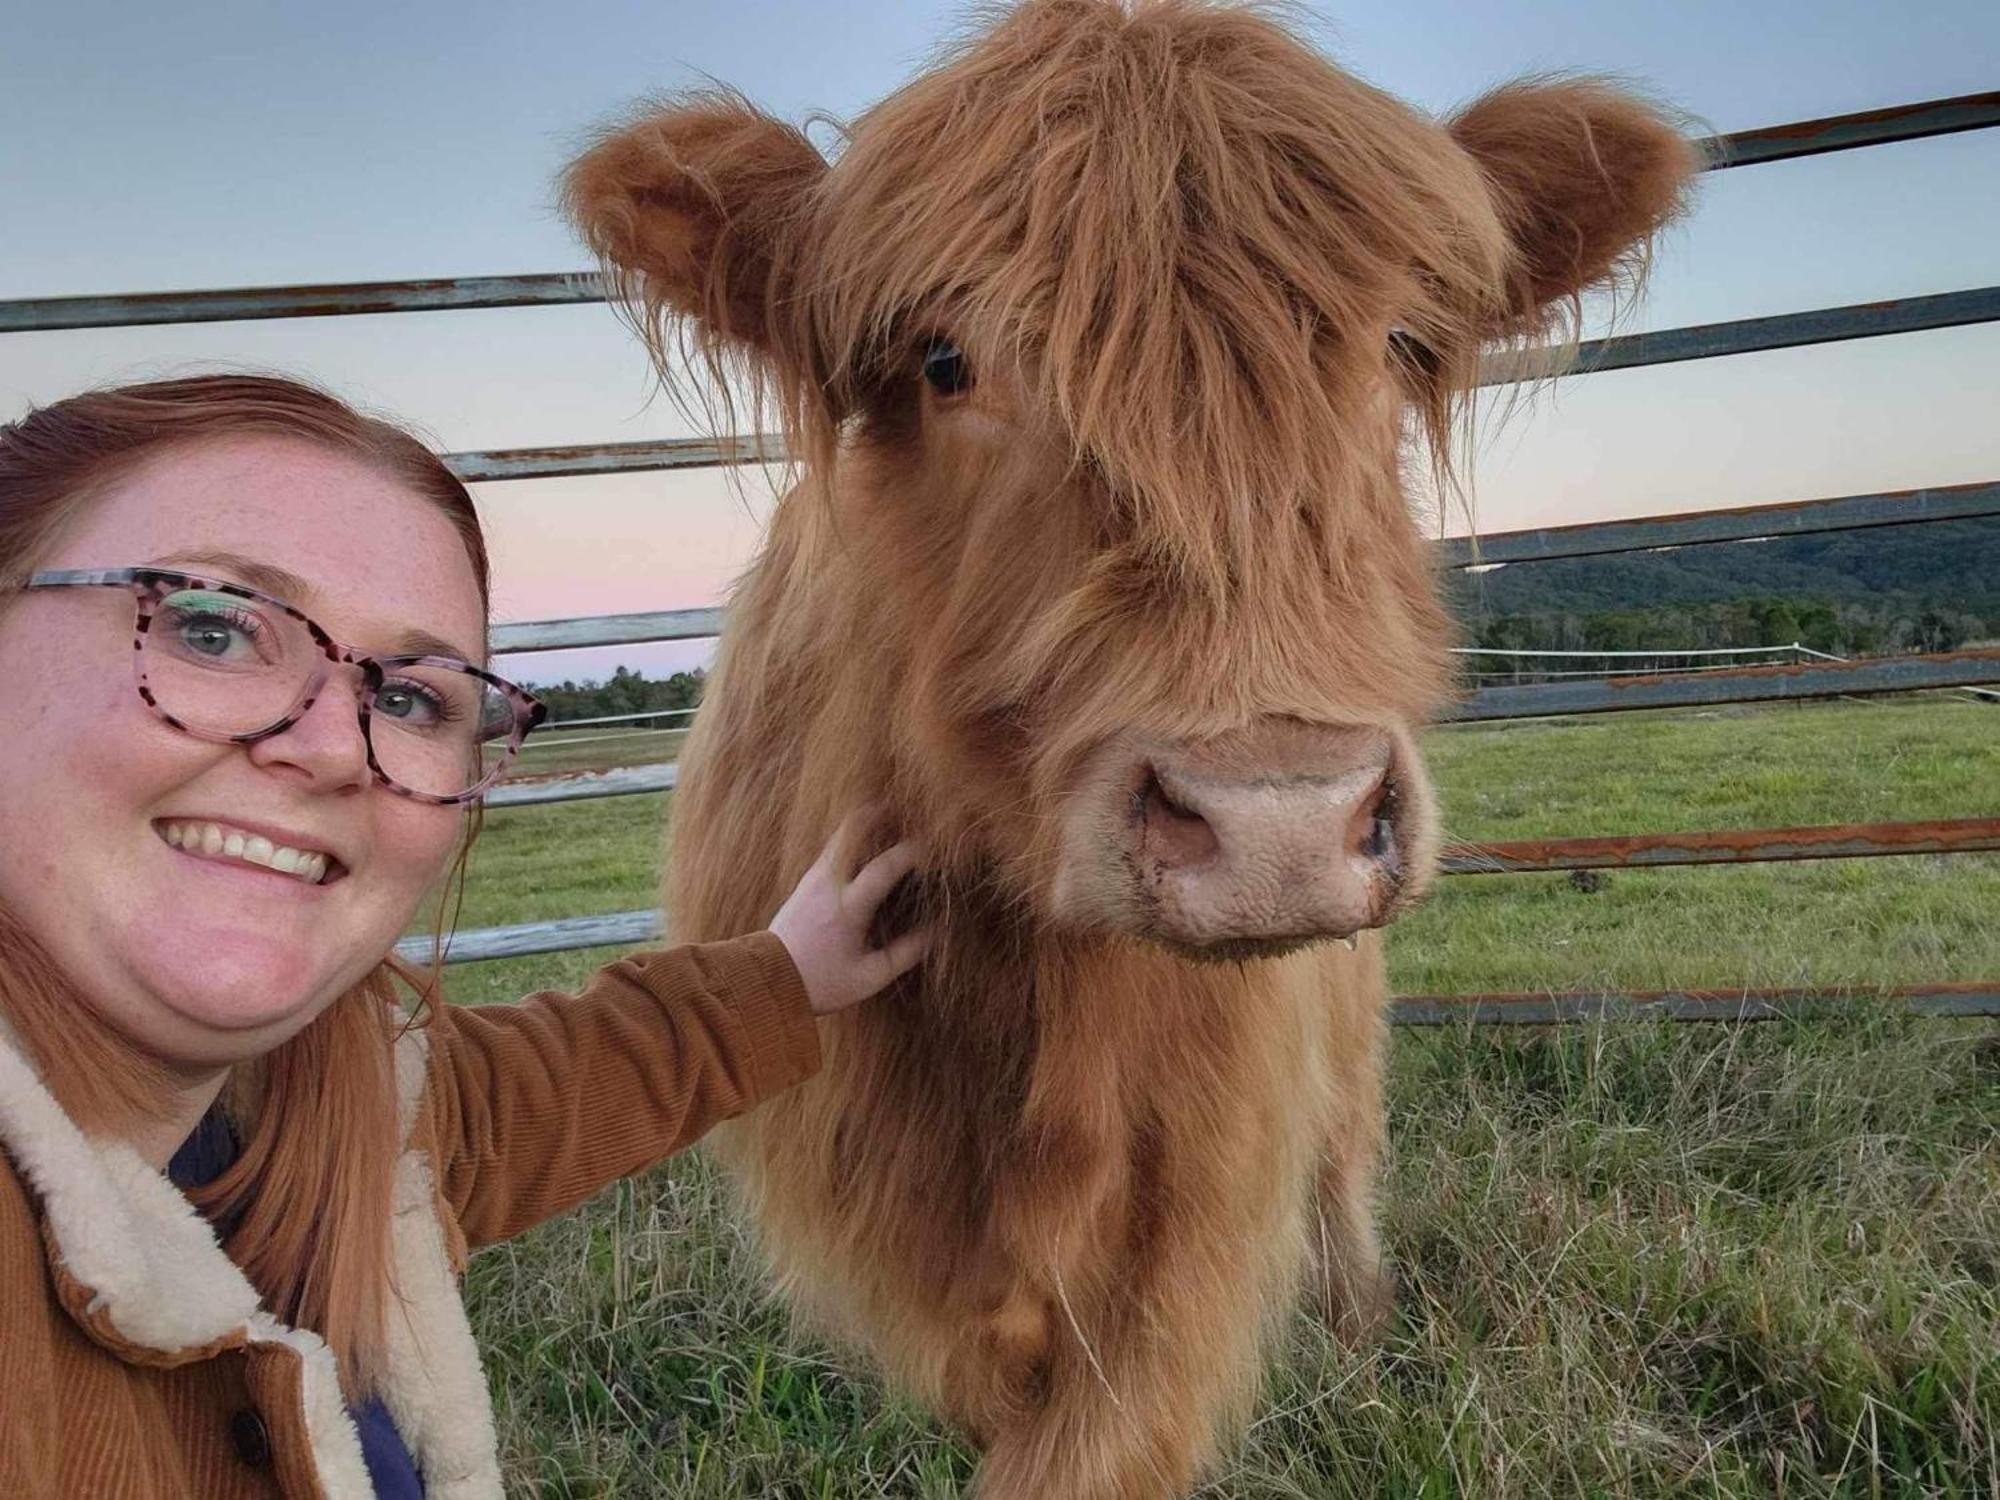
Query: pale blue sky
point(221, 144)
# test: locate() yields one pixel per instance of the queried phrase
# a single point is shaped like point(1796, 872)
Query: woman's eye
point(946, 368)
point(207, 632)
point(209, 637)
point(407, 703)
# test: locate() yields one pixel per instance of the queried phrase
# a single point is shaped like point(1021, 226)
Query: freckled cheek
point(103, 749)
point(413, 844)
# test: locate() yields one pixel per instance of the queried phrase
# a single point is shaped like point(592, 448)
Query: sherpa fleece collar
point(144, 1276)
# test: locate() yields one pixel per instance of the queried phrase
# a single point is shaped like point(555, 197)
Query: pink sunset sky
point(234, 145)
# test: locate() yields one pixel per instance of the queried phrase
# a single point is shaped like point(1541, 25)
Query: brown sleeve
point(28, 1459)
point(539, 1105)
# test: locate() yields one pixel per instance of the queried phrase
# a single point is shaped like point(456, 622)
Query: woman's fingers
point(872, 884)
point(892, 961)
point(825, 924)
point(850, 840)
point(906, 952)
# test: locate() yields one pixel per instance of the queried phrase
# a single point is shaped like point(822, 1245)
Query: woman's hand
point(824, 924)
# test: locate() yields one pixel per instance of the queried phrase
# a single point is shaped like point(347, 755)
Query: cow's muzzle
point(1249, 844)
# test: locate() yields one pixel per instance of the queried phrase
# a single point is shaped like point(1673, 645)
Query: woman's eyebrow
point(423, 643)
point(283, 583)
point(266, 578)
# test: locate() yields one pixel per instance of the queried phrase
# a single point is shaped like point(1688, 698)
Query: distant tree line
point(1931, 587)
point(1846, 629)
point(1951, 565)
point(626, 692)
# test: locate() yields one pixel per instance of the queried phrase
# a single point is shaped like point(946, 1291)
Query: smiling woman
point(241, 642)
point(120, 476)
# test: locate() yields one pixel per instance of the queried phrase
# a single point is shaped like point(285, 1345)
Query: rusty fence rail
point(1623, 852)
point(1609, 694)
point(1733, 846)
point(1871, 127)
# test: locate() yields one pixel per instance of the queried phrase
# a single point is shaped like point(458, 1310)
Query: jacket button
point(252, 1439)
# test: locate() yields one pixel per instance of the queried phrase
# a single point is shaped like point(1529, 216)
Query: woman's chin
point(241, 997)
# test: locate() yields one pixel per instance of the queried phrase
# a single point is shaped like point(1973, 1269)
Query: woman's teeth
point(218, 842)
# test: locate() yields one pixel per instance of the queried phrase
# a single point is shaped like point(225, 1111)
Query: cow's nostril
point(1172, 833)
point(1372, 832)
point(1381, 839)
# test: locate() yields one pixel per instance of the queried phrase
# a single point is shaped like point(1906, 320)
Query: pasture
point(1636, 1260)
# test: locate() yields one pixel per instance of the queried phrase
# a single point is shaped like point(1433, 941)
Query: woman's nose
point(325, 742)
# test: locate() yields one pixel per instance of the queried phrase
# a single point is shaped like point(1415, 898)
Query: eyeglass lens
point(225, 665)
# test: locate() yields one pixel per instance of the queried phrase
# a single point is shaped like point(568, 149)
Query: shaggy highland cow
point(1095, 348)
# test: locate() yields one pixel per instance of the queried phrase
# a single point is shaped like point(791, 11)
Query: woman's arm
point(539, 1105)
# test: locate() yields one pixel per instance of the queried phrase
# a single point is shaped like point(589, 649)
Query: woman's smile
point(297, 860)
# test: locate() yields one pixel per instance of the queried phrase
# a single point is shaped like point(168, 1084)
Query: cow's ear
point(693, 207)
point(1583, 175)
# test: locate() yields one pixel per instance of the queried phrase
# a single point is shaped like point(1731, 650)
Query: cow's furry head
point(1099, 342)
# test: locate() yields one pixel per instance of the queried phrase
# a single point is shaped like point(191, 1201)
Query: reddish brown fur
point(1060, 1181)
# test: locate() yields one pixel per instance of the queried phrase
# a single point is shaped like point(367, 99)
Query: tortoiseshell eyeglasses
point(226, 663)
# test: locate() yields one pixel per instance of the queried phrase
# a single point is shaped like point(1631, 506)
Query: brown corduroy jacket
point(135, 1358)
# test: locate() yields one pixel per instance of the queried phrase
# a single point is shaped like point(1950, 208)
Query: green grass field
point(1637, 1259)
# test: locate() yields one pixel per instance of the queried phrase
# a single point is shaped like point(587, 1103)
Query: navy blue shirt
point(205, 1156)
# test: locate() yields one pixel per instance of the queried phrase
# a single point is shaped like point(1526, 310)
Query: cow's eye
point(946, 368)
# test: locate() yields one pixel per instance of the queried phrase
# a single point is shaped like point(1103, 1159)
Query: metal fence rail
point(1524, 1008)
point(1824, 325)
point(521, 939)
point(607, 630)
point(1784, 683)
point(1771, 684)
point(1870, 127)
point(613, 458)
point(626, 781)
point(325, 300)
point(1907, 122)
point(1951, 502)
point(1591, 539)
point(1728, 846)
point(622, 929)
point(1656, 690)
point(630, 721)
point(1526, 856)
point(1790, 682)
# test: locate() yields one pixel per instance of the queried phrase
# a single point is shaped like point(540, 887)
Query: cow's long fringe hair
point(306, 1205)
point(1070, 185)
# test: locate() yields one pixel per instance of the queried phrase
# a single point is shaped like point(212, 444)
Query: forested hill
point(1865, 589)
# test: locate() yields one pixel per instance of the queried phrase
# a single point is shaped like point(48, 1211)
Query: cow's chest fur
point(1001, 1165)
